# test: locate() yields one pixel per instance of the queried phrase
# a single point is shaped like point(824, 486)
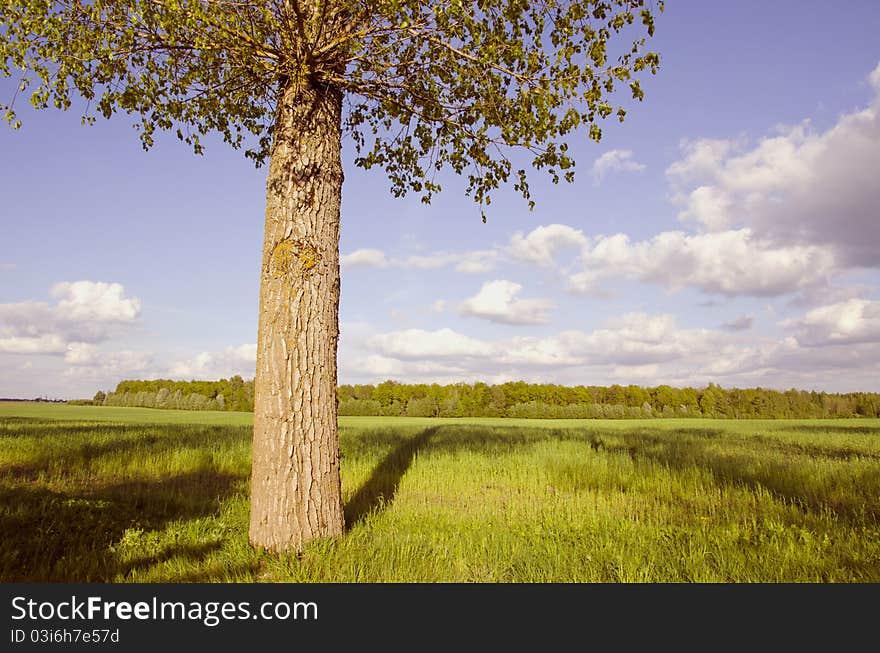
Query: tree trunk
point(295, 484)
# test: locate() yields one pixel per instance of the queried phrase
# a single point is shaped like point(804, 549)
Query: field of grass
point(128, 494)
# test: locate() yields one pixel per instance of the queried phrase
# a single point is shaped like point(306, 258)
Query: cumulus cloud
point(633, 339)
point(615, 161)
point(639, 339)
point(708, 205)
point(81, 353)
point(728, 263)
point(800, 185)
point(227, 362)
point(636, 373)
point(636, 347)
point(377, 366)
point(497, 301)
point(731, 262)
point(86, 312)
point(477, 262)
point(781, 215)
point(851, 322)
point(108, 368)
point(45, 343)
point(90, 301)
point(369, 258)
point(541, 245)
point(27, 325)
point(702, 159)
point(414, 344)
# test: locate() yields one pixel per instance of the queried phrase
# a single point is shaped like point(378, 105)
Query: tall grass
point(452, 500)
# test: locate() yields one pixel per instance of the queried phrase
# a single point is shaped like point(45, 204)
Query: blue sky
point(728, 231)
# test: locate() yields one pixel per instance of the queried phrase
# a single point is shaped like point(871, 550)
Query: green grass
point(127, 494)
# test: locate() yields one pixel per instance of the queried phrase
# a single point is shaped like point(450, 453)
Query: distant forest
point(514, 399)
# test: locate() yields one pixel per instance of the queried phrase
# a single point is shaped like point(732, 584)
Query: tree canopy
point(427, 84)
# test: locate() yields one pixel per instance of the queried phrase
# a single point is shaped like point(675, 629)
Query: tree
point(428, 85)
point(707, 401)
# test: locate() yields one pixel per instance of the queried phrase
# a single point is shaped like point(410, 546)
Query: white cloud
point(85, 364)
point(86, 312)
point(108, 368)
point(25, 319)
point(851, 322)
point(227, 362)
point(90, 301)
point(477, 262)
point(640, 339)
point(633, 339)
point(636, 373)
point(708, 205)
point(81, 353)
point(728, 263)
point(382, 367)
point(379, 366)
point(46, 343)
point(642, 348)
point(541, 245)
point(532, 352)
point(420, 344)
point(370, 258)
point(702, 158)
point(615, 161)
point(799, 186)
point(497, 301)
point(438, 306)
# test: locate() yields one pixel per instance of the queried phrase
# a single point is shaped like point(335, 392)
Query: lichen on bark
point(293, 257)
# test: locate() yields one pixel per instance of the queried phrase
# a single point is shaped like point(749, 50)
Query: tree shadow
point(194, 552)
point(69, 535)
point(851, 499)
point(497, 440)
point(380, 488)
point(692, 438)
point(74, 445)
point(756, 462)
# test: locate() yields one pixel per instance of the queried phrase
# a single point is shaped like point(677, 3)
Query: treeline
point(226, 394)
point(514, 399)
point(533, 400)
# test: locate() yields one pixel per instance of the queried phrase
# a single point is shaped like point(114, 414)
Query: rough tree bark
point(295, 483)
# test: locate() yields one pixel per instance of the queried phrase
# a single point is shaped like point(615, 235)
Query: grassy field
point(127, 494)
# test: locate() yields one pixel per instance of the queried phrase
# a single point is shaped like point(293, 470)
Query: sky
point(727, 232)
